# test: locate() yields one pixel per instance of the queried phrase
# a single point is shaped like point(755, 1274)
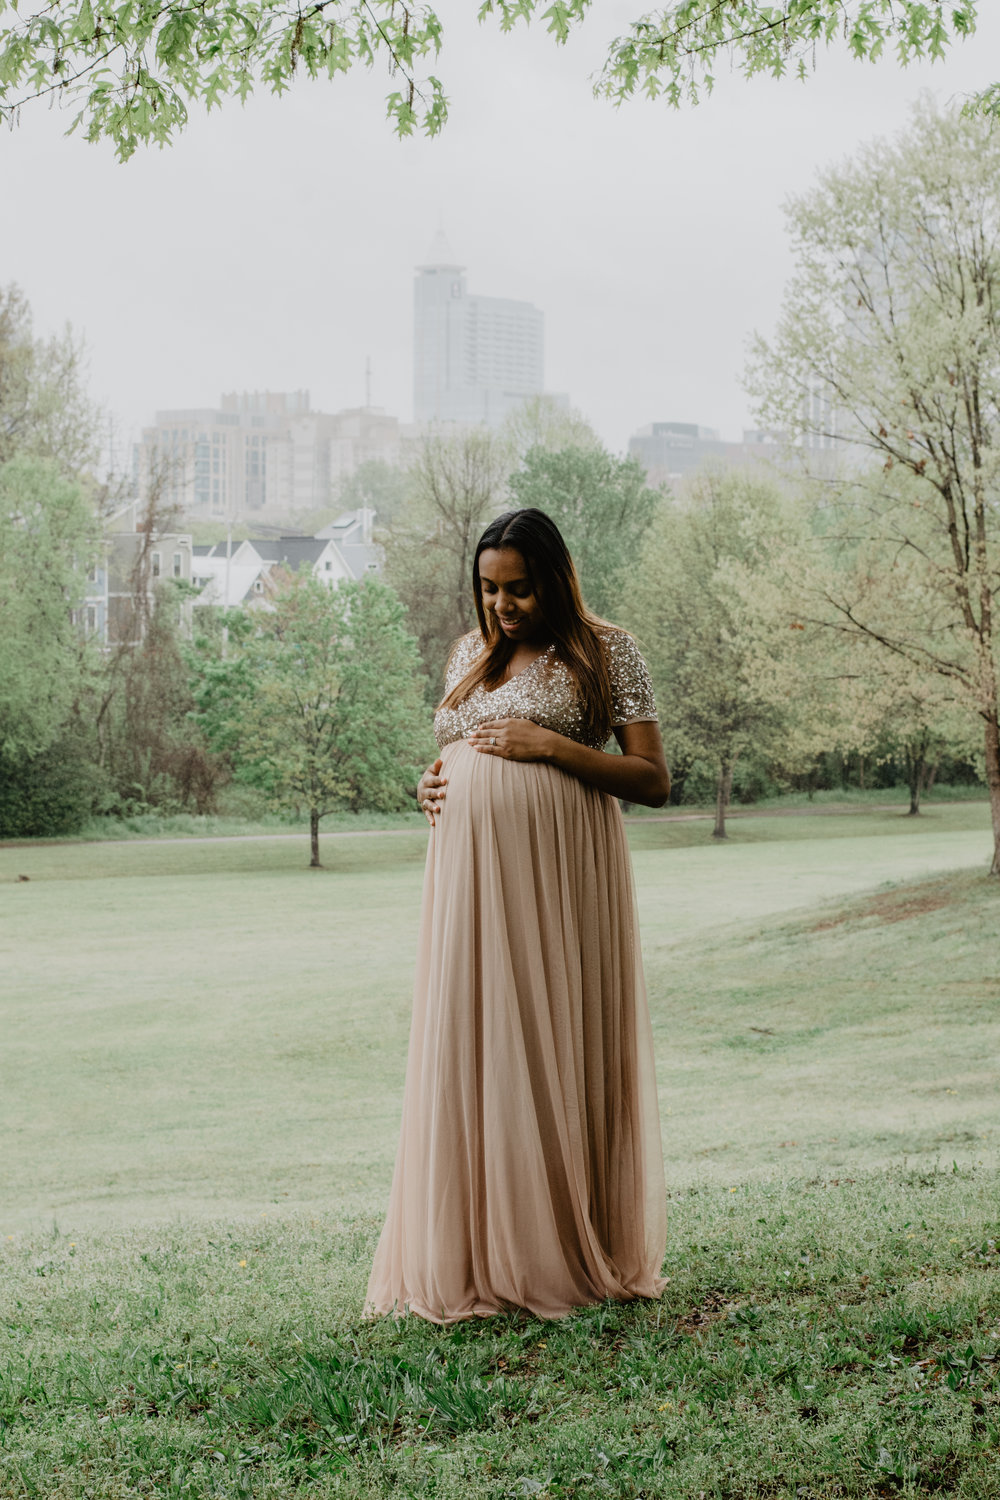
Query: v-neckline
point(527, 668)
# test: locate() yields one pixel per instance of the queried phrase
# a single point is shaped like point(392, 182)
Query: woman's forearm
point(631, 777)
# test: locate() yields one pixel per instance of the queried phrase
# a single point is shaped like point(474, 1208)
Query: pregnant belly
point(515, 836)
point(490, 784)
point(498, 796)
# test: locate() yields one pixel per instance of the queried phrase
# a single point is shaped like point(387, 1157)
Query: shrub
point(49, 794)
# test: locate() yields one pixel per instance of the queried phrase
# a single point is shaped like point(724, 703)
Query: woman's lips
point(507, 624)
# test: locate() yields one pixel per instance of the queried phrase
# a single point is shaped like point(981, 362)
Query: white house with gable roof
point(247, 573)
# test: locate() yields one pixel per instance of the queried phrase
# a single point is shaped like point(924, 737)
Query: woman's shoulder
point(463, 653)
point(467, 646)
point(618, 642)
point(631, 685)
point(609, 632)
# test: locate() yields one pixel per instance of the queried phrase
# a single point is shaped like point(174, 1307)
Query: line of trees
point(834, 621)
point(316, 704)
point(890, 338)
point(837, 619)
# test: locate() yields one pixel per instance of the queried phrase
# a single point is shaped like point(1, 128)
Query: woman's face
point(509, 593)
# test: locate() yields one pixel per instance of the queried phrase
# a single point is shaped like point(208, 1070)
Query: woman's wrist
point(553, 747)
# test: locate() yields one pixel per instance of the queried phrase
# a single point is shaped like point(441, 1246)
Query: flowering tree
point(889, 344)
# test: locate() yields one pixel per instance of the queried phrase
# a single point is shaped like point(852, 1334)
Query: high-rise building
point(474, 358)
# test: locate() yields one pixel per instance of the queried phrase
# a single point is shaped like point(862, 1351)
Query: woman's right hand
point(431, 791)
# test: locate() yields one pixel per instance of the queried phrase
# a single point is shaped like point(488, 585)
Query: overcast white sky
point(273, 247)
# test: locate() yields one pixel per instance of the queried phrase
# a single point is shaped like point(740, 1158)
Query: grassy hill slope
point(199, 1090)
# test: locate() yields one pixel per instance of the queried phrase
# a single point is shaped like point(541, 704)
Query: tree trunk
point(723, 789)
point(678, 776)
point(915, 779)
point(993, 782)
point(861, 772)
point(916, 770)
point(314, 863)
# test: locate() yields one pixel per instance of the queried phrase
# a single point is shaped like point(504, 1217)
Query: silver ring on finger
point(493, 740)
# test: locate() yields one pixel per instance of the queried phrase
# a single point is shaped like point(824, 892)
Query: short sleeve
point(461, 659)
point(632, 699)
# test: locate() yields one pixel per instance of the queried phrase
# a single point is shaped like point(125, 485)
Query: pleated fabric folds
point(529, 1172)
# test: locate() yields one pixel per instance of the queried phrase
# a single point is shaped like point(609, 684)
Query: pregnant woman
point(529, 1172)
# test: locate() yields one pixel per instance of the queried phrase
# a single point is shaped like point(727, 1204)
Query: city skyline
point(273, 246)
point(259, 453)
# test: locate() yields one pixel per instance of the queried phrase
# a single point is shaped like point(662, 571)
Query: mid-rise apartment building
point(259, 454)
point(668, 451)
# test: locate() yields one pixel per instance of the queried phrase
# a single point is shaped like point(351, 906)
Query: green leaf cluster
point(671, 52)
point(48, 539)
point(327, 699)
point(722, 676)
point(603, 507)
point(44, 407)
point(135, 67)
point(52, 792)
point(220, 679)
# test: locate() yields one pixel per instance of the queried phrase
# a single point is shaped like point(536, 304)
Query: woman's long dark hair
point(557, 590)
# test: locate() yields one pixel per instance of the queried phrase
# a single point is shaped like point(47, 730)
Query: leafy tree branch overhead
point(132, 70)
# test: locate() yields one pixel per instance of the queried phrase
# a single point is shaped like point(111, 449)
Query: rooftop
point(441, 255)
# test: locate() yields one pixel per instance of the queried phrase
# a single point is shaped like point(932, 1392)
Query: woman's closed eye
point(518, 591)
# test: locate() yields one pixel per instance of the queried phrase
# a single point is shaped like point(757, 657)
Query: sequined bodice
point(546, 692)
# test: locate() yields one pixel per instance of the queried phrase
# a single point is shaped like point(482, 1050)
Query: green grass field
point(204, 1028)
point(200, 1078)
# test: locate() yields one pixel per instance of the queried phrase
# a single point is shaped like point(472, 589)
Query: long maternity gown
point(529, 1171)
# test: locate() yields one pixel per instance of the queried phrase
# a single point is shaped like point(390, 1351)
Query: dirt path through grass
point(737, 814)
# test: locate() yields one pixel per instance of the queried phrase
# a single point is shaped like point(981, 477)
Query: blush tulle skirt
point(529, 1172)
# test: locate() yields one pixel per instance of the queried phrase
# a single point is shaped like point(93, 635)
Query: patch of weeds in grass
point(814, 1340)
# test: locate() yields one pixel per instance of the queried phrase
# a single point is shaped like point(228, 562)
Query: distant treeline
point(829, 625)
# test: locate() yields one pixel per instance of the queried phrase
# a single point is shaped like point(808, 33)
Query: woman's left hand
point(514, 739)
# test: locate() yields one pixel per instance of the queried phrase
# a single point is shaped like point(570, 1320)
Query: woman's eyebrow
point(513, 584)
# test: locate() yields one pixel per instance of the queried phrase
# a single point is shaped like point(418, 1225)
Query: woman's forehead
point(502, 565)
